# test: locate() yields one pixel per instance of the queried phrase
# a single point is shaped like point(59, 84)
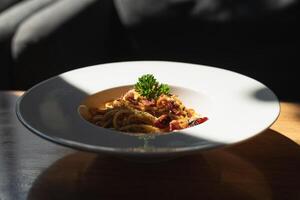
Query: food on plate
point(148, 107)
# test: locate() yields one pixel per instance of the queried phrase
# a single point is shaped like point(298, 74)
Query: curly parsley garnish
point(150, 88)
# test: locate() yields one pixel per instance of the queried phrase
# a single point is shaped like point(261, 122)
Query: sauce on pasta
point(135, 113)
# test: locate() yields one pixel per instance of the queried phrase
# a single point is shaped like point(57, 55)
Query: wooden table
point(265, 167)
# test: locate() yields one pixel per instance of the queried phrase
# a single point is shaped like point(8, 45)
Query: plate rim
point(124, 151)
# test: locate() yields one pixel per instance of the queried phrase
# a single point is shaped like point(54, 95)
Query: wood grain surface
point(288, 122)
point(264, 167)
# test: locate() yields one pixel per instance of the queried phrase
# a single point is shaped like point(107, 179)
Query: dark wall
point(261, 42)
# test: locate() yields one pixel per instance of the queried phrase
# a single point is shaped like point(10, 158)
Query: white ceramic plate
point(238, 107)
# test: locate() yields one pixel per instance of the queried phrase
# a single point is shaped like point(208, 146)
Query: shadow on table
point(265, 167)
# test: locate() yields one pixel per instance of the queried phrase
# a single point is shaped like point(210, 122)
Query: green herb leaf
point(164, 89)
point(150, 88)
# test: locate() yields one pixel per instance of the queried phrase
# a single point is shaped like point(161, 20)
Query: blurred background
point(258, 38)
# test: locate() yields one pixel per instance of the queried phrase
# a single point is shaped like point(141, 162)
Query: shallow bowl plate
point(238, 108)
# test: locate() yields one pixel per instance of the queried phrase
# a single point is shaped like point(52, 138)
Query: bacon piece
point(175, 108)
point(176, 111)
point(163, 121)
point(174, 125)
point(147, 102)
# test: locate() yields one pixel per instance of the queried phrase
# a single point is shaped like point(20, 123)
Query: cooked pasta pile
point(137, 114)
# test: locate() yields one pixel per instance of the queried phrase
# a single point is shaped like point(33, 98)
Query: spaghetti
point(135, 113)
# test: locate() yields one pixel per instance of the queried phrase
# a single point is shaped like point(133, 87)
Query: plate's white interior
point(226, 98)
point(237, 114)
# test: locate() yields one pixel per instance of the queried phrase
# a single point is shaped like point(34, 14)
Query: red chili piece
point(198, 121)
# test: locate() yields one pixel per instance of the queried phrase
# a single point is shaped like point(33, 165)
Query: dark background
point(257, 38)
